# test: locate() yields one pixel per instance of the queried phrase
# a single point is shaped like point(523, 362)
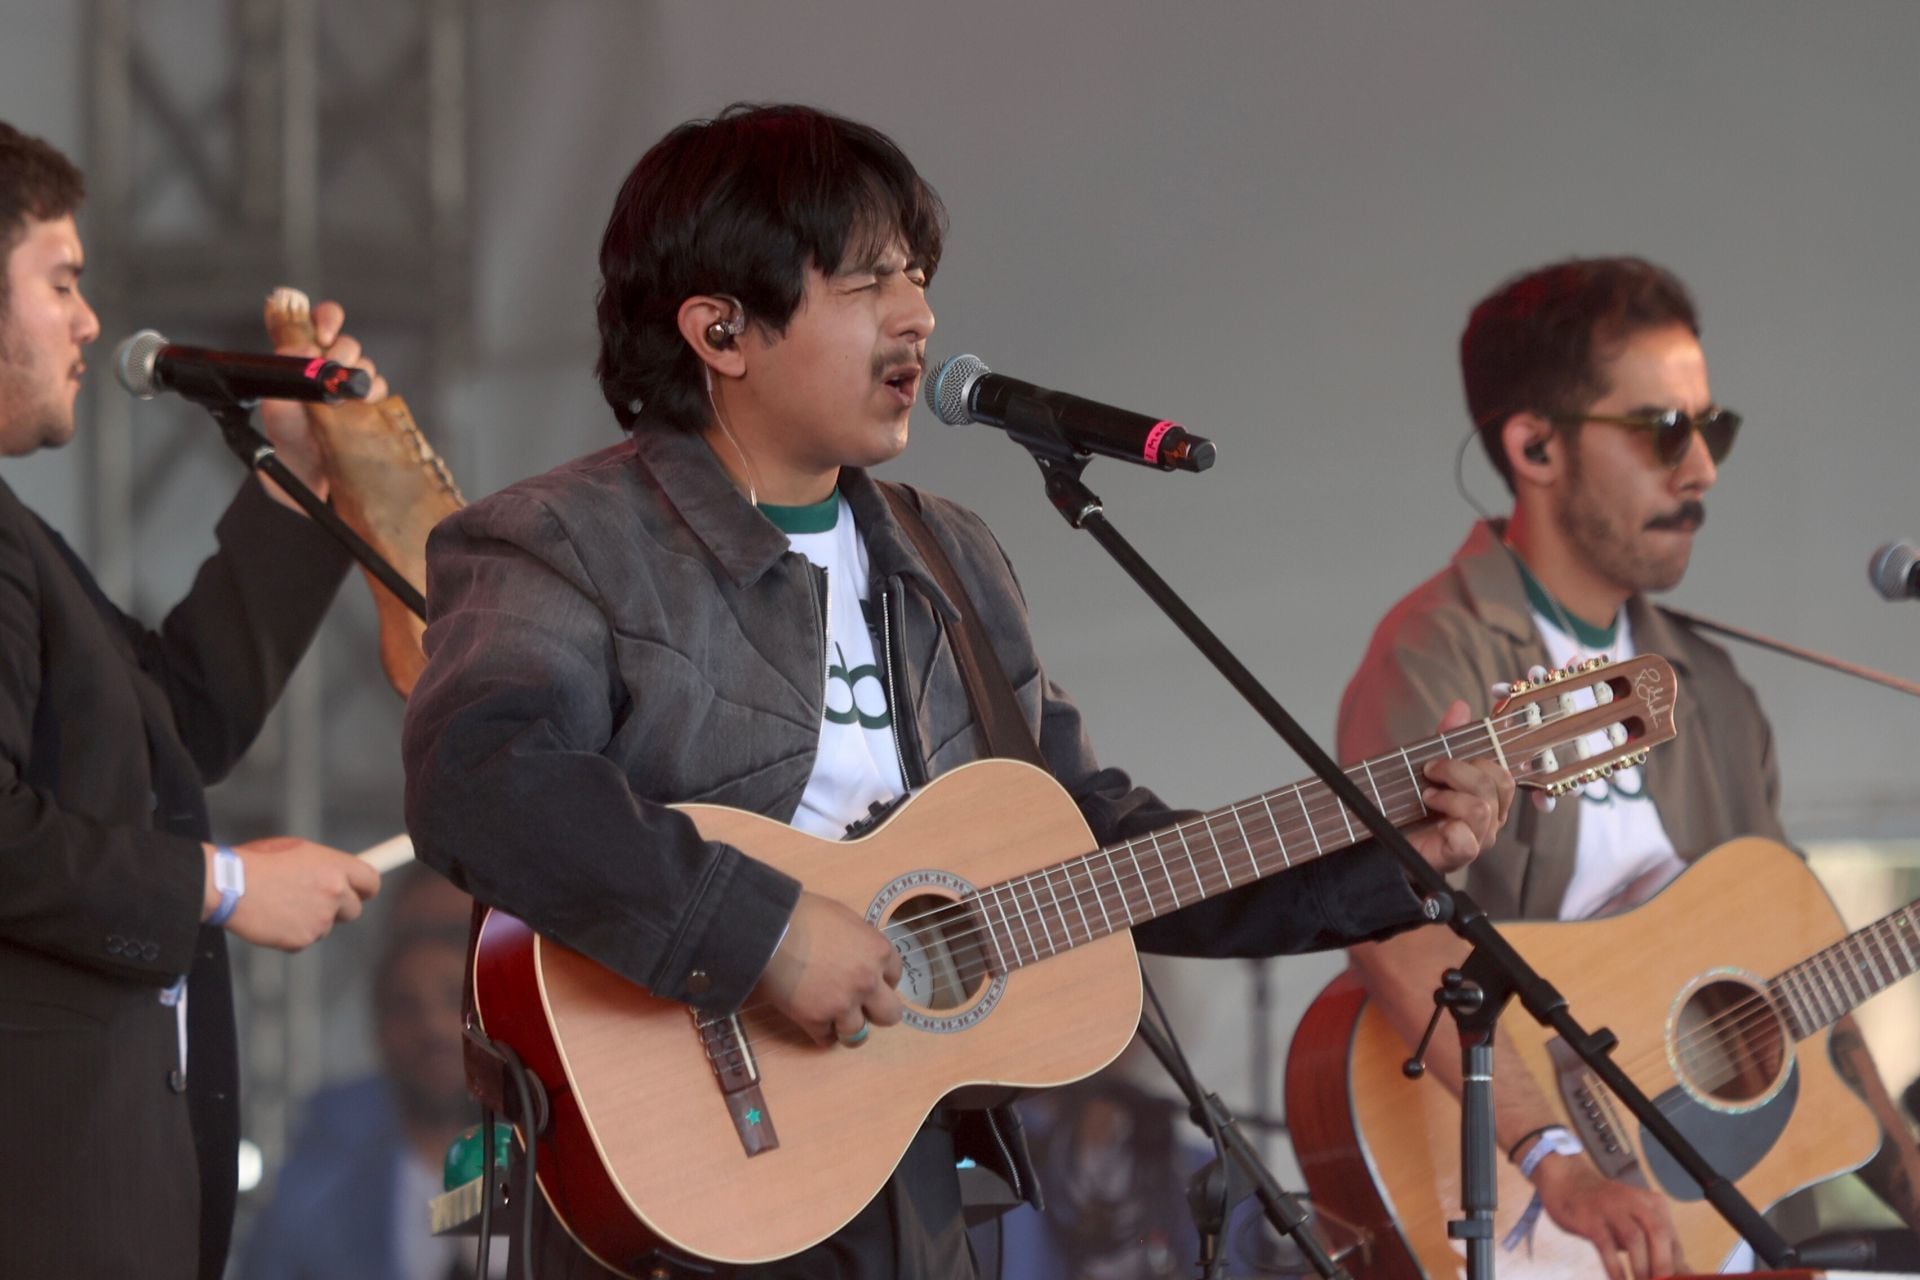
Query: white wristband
point(1555, 1141)
point(230, 878)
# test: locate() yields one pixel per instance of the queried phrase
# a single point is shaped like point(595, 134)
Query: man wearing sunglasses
point(1588, 389)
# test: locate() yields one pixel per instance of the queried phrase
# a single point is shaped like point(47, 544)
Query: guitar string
point(1030, 916)
point(1139, 872)
point(1773, 1002)
point(1129, 869)
point(1739, 1020)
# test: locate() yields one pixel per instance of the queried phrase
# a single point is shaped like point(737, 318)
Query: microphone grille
point(948, 388)
point(133, 362)
point(1891, 569)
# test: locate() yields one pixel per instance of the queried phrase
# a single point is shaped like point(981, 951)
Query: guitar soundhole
point(1728, 1043)
point(943, 963)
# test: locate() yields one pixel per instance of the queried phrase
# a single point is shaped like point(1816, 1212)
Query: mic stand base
point(254, 449)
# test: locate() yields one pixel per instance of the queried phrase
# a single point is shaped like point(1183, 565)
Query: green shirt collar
point(1589, 636)
point(815, 517)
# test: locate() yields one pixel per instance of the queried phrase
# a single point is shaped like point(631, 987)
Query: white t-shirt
point(1622, 843)
point(859, 760)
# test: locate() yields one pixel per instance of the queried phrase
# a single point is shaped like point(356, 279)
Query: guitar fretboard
point(1071, 903)
point(1827, 985)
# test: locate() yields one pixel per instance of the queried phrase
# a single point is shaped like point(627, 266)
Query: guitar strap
point(995, 707)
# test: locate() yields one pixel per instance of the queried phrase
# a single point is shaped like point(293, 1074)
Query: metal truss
point(233, 147)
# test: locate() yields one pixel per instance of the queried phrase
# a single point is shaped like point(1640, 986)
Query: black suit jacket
point(111, 1162)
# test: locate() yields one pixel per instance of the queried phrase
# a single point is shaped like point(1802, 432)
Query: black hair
point(38, 184)
point(1536, 344)
point(742, 204)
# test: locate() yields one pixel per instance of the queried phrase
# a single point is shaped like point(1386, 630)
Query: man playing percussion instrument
point(119, 1159)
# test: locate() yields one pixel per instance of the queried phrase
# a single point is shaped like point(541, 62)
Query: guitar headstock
point(1545, 730)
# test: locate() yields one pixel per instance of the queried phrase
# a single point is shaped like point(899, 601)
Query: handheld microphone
point(147, 364)
point(1895, 571)
point(964, 390)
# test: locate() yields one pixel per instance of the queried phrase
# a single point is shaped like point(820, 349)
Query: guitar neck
point(1829, 984)
point(1071, 903)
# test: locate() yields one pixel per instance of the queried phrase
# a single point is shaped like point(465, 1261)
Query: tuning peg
point(1500, 689)
point(1544, 800)
point(1594, 664)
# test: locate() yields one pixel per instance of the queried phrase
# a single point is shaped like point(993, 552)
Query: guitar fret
point(1803, 991)
point(1166, 874)
point(1847, 971)
point(1346, 818)
point(993, 932)
point(1301, 797)
point(1199, 885)
point(1414, 778)
point(1053, 948)
point(1099, 896)
point(1374, 787)
point(1245, 840)
point(1906, 951)
point(1280, 839)
point(1782, 993)
point(1079, 903)
point(1878, 965)
point(1117, 884)
point(1815, 993)
point(1828, 988)
point(1026, 920)
point(1219, 853)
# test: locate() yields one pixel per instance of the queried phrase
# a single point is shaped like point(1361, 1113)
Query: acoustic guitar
point(736, 1139)
point(1721, 989)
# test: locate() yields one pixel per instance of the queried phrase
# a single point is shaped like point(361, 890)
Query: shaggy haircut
point(742, 204)
point(1536, 344)
point(37, 184)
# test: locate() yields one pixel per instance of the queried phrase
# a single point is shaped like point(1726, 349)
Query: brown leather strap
point(995, 707)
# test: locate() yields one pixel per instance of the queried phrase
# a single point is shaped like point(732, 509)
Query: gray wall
point(1269, 220)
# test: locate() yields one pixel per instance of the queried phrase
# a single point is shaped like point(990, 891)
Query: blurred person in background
point(352, 1197)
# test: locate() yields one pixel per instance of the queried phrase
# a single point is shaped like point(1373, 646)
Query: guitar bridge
point(1591, 1114)
point(739, 1079)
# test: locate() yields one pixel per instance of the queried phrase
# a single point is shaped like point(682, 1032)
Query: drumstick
point(396, 851)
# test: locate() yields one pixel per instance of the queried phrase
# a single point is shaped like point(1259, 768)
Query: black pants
point(912, 1230)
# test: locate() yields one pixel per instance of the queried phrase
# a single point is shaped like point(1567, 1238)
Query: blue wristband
point(230, 878)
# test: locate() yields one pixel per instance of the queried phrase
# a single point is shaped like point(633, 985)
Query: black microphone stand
point(235, 417)
point(1492, 974)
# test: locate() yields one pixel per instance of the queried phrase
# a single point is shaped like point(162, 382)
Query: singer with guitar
point(727, 609)
point(1587, 386)
point(120, 1106)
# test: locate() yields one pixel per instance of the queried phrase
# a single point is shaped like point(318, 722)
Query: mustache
point(1690, 514)
point(885, 364)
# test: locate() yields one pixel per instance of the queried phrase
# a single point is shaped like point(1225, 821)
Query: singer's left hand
point(1468, 800)
point(285, 422)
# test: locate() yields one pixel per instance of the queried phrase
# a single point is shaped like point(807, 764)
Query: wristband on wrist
point(1554, 1140)
point(230, 878)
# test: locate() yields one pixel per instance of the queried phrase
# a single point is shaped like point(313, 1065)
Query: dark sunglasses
point(1673, 430)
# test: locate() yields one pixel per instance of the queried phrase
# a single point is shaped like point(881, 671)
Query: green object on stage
point(465, 1160)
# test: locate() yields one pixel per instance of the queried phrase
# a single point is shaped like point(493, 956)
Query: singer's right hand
point(296, 891)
